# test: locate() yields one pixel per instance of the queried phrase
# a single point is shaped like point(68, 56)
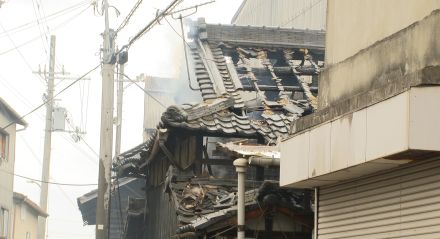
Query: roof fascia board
point(12, 113)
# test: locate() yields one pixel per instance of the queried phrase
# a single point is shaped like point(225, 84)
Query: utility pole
point(47, 141)
point(122, 59)
point(106, 137)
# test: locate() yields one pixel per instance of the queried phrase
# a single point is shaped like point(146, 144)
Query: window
point(4, 138)
point(4, 223)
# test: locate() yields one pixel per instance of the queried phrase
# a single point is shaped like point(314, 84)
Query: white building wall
point(6, 173)
point(300, 14)
point(368, 22)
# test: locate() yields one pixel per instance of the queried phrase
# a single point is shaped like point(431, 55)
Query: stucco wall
point(353, 25)
point(406, 57)
point(25, 220)
point(300, 14)
point(6, 170)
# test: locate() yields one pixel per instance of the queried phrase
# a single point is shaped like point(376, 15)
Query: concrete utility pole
point(122, 59)
point(47, 141)
point(106, 138)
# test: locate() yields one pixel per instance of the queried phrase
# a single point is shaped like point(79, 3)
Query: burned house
point(254, 81)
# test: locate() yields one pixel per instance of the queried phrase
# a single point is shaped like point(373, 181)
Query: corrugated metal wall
point(402, 203)
point(300, 14)
point(161, 217)
point(117, 221)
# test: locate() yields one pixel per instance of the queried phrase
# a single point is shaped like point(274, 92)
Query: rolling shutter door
point(401, 203)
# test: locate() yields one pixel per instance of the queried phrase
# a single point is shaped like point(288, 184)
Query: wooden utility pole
point(47, 141)
point(106, 137)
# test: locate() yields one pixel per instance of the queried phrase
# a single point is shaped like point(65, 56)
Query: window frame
point(4, 146)
point(4, 222)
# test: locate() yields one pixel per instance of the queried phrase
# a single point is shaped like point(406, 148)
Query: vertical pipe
point(316, 208)
point(241, 166)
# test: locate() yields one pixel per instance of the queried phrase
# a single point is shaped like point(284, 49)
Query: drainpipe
point(241, 166)
point(315, 226)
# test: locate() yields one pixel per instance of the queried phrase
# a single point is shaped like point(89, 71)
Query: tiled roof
point(263, 80)
point(254, 82)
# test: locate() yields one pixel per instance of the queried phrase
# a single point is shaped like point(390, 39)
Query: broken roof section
point(206, 205)
point(255, 81)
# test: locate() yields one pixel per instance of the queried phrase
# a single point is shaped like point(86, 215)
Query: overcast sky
point(78, 40)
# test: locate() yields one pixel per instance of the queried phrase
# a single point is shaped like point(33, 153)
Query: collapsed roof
point(254, 81)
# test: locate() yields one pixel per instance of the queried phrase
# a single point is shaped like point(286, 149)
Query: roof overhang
point(18, 197)
point(12, 113)
point(396, 131)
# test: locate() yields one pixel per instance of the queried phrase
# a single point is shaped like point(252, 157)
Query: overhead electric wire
point(48, 100)
point(20, 53)
point(156, 20)
point(52, 16)
point(301, 13)
point(128, 17)
point(41, 164)
point(146, 92)
point(37, 37)
point(169, 24)
point(38, 16)
point(25, 101)
point(50, 182)
point(184, 50)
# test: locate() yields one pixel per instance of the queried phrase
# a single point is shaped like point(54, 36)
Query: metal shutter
point(400, 203)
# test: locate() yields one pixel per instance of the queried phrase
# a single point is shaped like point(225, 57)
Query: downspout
point(241, 166)
point(316, 208)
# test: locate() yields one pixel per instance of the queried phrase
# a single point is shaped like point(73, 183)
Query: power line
point(38, 16)
point(37, 37)
point(128, 17)
point(183, 38)
point(39, 162)
point(52, 16)
point(48, 100)
point(301, 13)
point(88, 146)
point(150, 25)
point(49, 182)
point(19, 52)
point(24, 100)
point(184, 51)
point(146, 92)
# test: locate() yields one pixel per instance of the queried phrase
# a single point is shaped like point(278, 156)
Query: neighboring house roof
point(87, 202)
point(254, 81)
point(11, 113)
point(18, 197)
